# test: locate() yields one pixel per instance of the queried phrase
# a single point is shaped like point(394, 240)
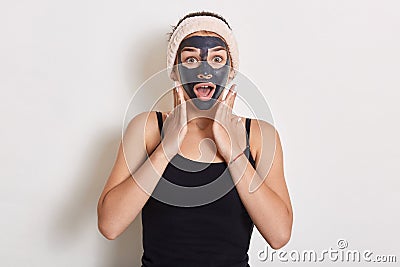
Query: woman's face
point(203, 66)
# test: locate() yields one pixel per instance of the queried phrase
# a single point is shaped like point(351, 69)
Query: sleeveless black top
point(207, 227)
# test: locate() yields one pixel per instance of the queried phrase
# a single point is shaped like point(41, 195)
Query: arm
point(263, 191)
point(127, 190)
point(124, 195)
point(266, 200)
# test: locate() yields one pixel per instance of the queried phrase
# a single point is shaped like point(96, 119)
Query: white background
point(68, 69)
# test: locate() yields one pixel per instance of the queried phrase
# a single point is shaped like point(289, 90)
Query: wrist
point(160, 153)
point(236, 157)
point(230, 157)
point(237, 167)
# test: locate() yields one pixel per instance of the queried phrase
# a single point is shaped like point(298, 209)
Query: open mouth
point(204, 91)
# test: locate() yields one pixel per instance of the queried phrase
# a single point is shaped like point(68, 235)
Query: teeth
point(205, 86)
point(204, 90)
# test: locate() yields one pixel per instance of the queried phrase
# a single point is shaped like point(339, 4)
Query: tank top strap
point(248, 121)
point(160, 123)
point(247, 150)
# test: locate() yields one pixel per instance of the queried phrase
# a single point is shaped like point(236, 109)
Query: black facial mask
point(192, 76)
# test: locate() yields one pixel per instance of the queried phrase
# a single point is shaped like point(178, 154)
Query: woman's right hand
point(175, 126)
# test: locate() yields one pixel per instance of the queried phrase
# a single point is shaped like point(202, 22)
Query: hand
point(175, 126)
point(228, 129)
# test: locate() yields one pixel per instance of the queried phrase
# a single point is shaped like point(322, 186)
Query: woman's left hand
point(228, 128)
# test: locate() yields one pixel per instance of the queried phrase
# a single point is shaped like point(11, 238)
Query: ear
point(174, 72)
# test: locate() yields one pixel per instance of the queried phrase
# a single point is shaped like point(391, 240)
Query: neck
point(200, 119)
point(201, 123)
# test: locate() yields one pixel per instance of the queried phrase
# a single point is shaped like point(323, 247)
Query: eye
point(191, 60)
point(218, 59)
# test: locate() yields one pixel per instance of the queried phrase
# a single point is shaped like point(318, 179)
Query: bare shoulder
point(263, 137)
point(259, 128)
point(145, 125)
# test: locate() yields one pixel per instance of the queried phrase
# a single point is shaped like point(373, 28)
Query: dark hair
point(193, 14)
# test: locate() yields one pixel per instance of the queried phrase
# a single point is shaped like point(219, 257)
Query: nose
point(205, 71)
point(204, 76)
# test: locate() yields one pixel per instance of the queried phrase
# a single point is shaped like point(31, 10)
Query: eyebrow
point(218, 48)
point(192, 49)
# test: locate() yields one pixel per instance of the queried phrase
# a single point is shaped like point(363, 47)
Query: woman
point(180, 229)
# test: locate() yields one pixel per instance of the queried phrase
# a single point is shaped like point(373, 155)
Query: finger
point(221, 96)
point(225, 107)
point(237, 119)
point(175, 97)
point(179, 91)
point(183, 101)
point(181, 95)
point(178, 101)
point(219, 108)
point(170, 115)
point(232, 101)
point(177, 86)
point(230, 98)
point(219, 113)
point(182, 109)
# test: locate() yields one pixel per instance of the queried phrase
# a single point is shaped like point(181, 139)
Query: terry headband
point(202, 23)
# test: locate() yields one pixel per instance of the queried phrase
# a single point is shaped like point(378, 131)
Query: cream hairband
point(198, 23)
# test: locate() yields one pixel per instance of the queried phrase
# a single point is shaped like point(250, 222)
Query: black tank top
point(217, 233)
